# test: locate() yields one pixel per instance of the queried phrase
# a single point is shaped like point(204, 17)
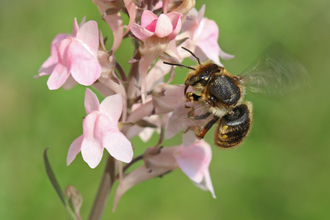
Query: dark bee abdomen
point(234, 128)
point(224, 89)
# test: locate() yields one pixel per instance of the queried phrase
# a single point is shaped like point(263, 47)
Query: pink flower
point(100, 130)
point(203, 37)
point(166, 25)
point(194, 161)
point(156, 34)
point(75, 54)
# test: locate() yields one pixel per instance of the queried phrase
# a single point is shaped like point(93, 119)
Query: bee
point(221, 94)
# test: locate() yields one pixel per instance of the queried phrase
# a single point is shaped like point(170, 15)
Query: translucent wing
point(275, 72)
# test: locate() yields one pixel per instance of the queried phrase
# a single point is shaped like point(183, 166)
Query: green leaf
point(56, 185)
point(53, 179)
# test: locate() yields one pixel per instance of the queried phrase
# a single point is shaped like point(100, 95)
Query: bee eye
point(213, 99)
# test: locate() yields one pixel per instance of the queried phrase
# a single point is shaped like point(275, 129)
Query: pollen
point(225, 127)
point(224, 136)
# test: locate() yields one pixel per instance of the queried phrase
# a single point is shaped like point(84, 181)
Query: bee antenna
point(192, 54)
point(176, 64)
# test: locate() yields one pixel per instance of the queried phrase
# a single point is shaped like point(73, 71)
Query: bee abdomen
point(234, 127)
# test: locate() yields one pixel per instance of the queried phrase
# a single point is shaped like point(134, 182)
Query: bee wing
point(273, 72)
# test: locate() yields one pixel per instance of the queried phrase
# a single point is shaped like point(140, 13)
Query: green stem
point(103, 192)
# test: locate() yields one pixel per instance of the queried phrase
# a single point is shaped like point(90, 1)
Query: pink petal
point(131, 9)
point(91, 101)
point(147, 17)
point(112, 106)
point(74, 149)
point(48, 66)
point(176, 122)
point(142, 111)
point(116, 25)
point(166, 97)
point(175, 18)
point(89, 34)
point(112, 83)
point(75, 28)
point(164, 26)
point(207, 36)
point(133, 131)
point(173, 48)
point(83, 21)
point(152, 26)
point(89, 125)
point(200, 14)
point(190, 160)
point(91, 152)
point(118, 146)
point(156, 73)
point(103, 89)
point(145, 63)
point(62, 69)
point(91, 148)
point(208, 183)
point(102, 126)
point(207, 31)
point(85, 68)
point(58, 77)
point(140, 32)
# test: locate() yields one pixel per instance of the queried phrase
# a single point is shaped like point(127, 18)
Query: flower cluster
point(139, 102)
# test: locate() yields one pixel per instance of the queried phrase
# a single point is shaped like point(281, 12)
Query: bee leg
point(200, 133)
point(192, 97)
point(192, 116)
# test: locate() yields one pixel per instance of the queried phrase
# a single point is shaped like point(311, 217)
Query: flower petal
point(91, 148)
point(166, 97)
point(191, 161)
point(62, 69)
point(112, 106)
point(74, 149)
point(131, 9)
point(58, 76)
point(116, 25)
point(85, 68)
point(140, 32)
point(175, 18)
point(48, 66)
point(91, 152)
point(156, 73)
point(118, 146)
point(147, 17)
point(75, 28)
point(89, 125)
point(89, 34)
point(208, 183)
point(102, 126)
point(164, 26)
point(91, 101)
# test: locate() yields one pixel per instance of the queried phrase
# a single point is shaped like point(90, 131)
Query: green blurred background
point(281, 171)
